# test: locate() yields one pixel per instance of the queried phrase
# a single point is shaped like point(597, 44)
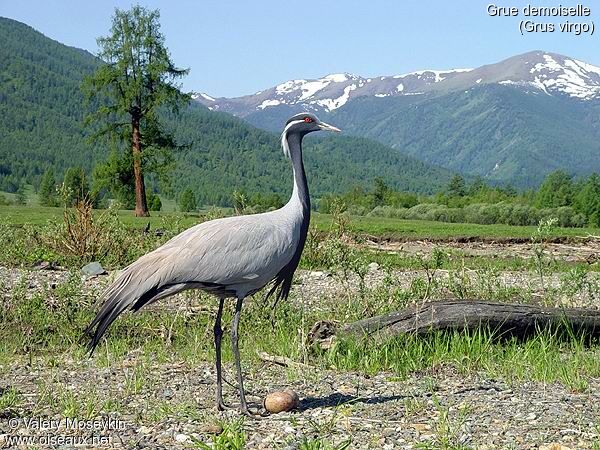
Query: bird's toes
point(256, 415)
point(222, 406)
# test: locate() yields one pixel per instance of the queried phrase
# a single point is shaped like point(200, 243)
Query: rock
point(554, 446)
point(45, 265)
point(93, 269)
point(322, 334)
point(181, 437)
point(420, 427)
point(373, 266)
point(168, 393)
point(212, 428)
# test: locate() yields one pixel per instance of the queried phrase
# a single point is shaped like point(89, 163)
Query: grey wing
point(228, 252)
point(225, 256)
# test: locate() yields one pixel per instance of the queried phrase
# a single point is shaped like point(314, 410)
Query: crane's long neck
point(300, 192)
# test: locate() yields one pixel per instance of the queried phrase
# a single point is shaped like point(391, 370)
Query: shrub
point(47, 189)
point(482, 213)
point(153, 201)
point(4, 201)
point(187, 201)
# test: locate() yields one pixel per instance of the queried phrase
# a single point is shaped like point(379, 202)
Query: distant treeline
point(575, 203)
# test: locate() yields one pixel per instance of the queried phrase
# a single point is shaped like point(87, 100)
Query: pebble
point(212, 428)
point(93, 269)
point(181, 437)
point(168, 393)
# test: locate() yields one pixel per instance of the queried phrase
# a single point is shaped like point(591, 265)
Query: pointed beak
point(327, 127)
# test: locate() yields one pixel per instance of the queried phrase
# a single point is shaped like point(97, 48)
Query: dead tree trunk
point(505, 320)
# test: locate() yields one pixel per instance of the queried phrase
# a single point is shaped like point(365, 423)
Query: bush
point(485, 214)
point(153, 201)
point(47, 189)
point(4, 201)
point(75, 186)
point(357, 210)
point(187, 201)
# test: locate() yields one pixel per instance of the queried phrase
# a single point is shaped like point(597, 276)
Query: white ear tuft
point(284, 142)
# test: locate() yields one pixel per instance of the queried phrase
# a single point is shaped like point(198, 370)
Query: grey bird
point(230, 257)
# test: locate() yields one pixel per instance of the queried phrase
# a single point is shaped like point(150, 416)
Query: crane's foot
point(221, 405)
point(255, 415)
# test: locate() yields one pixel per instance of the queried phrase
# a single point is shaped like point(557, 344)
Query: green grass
point(9, 399)
point(390, 228)
point(169, 205)
point(56, 317)
point(400, 229)
point(9, 196)
point(40, 215)
point(32, 197)
point(546, 358)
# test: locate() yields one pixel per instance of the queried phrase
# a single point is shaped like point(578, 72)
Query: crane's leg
point(218, 335)
point(236, 355)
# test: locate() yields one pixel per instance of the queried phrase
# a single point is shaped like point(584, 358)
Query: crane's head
point(303, 124)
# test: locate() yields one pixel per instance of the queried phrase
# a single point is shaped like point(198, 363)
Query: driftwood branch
point(279, 360)
point(503, 319)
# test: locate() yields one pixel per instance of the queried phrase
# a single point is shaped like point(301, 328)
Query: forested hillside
point(495, 131)
point(43, 111)
point(41, 106)
point(227, 154)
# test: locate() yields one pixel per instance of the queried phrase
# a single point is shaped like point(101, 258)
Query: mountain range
point(550, 73)
point(42, 110)
point(512, 121)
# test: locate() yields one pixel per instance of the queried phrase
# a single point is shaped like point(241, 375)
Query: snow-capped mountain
point(330, 92)
point(535, 72)
point(538, 72)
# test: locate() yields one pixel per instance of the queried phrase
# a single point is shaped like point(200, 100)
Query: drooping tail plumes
point(137, 286)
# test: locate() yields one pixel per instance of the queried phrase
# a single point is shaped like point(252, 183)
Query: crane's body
point(228, 257)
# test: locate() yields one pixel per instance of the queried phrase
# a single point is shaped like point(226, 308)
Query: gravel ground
point(440, 408)
point(314, 289)
point(586, 251)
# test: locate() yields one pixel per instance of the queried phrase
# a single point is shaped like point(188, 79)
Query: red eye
point(308, 120)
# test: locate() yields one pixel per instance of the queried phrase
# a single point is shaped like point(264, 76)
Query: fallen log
point(503, 319)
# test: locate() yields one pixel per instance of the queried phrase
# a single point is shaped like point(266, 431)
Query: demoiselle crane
point(228, 257)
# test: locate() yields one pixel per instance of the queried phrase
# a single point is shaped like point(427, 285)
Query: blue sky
point(240, 47)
